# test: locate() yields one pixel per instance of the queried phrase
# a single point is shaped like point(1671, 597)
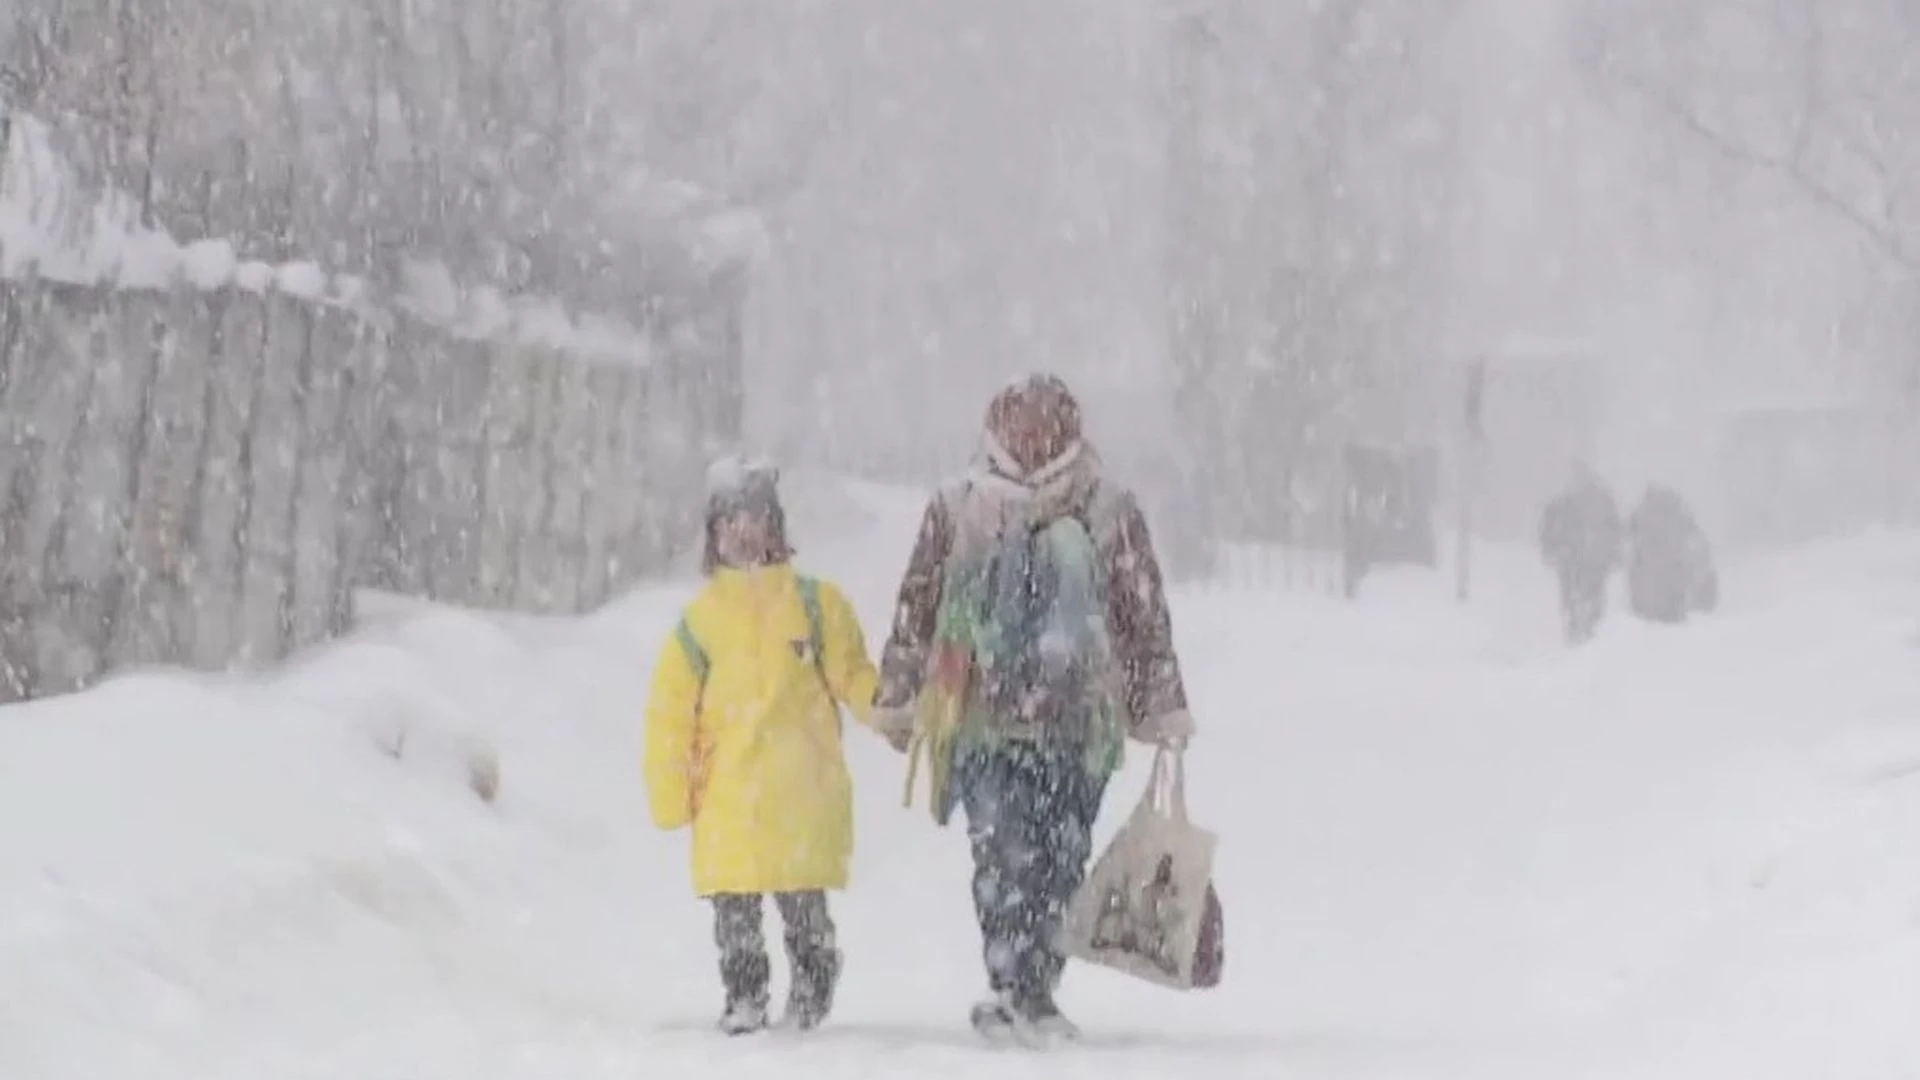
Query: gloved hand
point(1170, 730)
point(895, 725)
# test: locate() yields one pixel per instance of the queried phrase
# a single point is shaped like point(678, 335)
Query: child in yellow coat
point(743, 743)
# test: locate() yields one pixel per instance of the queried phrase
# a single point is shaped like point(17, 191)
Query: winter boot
point(995, 1018)
point(744, 1018)
point(746, 981)
point(810, 1000)
point(1025, 1019)
point(745, 968)
point(1041, 1018)
point(745, 975)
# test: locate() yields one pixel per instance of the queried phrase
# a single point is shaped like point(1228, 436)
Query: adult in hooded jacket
point(1031, 785)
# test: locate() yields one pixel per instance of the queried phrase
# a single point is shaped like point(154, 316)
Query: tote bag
point(1148, 907)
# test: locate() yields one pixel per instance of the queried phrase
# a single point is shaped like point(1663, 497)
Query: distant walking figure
point(1580, 537)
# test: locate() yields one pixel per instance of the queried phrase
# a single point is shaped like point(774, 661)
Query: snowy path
point(1451, 849)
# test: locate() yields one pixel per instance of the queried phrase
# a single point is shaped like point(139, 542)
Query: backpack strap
point(816, 640)
point(1100, 511)
point(817, 637)
point(816, 622)
point(695, 654)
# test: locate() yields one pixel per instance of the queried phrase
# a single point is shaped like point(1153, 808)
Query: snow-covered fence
point(205, 476)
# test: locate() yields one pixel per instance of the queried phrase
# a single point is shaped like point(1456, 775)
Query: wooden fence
point(206, 476)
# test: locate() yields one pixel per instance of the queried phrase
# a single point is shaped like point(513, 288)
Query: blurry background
point(490, 278)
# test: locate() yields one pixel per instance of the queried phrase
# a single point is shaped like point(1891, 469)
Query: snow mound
point(269, 864)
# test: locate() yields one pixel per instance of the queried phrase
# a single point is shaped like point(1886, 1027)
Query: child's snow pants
point(810, 939)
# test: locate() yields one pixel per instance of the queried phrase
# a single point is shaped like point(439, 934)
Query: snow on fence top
point(50, 231)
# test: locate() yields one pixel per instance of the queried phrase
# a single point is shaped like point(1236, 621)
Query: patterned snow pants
point(1030, 814)
point(810, 939)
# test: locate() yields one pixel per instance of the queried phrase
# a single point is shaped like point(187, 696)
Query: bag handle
point(1167, 788)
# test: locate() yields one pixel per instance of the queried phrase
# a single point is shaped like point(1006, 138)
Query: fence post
point(1469, 475)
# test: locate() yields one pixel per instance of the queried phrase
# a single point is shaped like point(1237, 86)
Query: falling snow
point(1521, 398)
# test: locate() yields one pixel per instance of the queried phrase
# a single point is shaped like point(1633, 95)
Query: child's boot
point(744, 1018)
point(745, 970)
point(811, 999)
point(746, 982)
point(815, 956)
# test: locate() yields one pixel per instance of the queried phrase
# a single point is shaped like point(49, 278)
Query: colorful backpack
point(1041, 644)
point(1020, 642)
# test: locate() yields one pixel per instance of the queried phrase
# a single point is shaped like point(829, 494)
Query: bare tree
point(1821, 100)
point(1820, 95)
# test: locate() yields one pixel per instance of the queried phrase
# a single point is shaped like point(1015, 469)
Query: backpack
point(816, 639)
point(1042, 645)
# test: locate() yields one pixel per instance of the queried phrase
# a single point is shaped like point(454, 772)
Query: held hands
point(894, 725)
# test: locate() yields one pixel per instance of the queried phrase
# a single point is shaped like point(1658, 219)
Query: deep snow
point(1451, 848)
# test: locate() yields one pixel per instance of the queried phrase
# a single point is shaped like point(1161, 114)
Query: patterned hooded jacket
point(1148, 680)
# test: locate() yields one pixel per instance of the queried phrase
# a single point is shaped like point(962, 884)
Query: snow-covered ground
point(1451, 848)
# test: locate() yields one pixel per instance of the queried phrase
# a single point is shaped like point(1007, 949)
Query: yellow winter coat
point(753, 760)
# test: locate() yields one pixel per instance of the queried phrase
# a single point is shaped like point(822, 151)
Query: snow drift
point(1450, 848)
